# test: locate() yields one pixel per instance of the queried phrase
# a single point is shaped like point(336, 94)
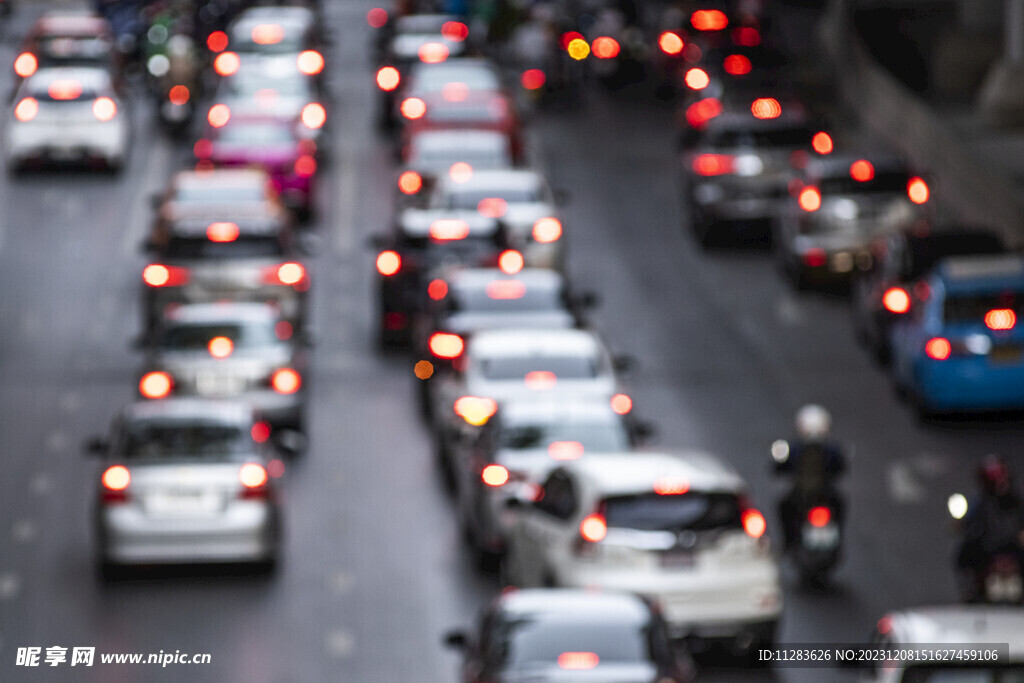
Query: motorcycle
point(1000, 579)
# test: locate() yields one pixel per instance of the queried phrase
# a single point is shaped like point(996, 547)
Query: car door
point(545, 528)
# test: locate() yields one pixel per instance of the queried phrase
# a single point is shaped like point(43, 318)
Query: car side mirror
point(95, 445)
point(625, 364)
point(644, 432)
point(456, 640)
point(588, 300)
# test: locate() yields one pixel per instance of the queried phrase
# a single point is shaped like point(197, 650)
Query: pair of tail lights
point(159, 275)
point(117, 478)
point(159, 384)
point(103, 108)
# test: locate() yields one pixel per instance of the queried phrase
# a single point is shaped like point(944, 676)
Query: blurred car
point(68, 38)
point(185, 481)
point(739, 169)
point(519, 446)
point(230, 194)
point(960, 347)
point(840, 203)
point(522, 199)
point(527, 364)
point(230, 350)
point(462, 109)
point(959, 627)
point(67, 115)
point(899, 259)
point(570, 635)
point(199, 261)
point(420, 241)
point(268, 143)
point(455, 153)
point(275, 29)
point(677, 528)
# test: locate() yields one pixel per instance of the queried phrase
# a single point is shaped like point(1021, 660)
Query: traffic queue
point(620, 559)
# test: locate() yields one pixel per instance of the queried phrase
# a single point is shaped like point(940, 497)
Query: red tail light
point(822, 143)
point(455, 31)
point(815, 257)
point(432, 53)
point(737, 65)
point(819, 516)
point(503, 290)
point(305, 166)
point(115, 480)
point(413, 108)
point(565, 450)
point(444, 345)
point(809, 199)
point(388, 78)
point(622, 404)
point(546, 230)
point(377, 17)
point(574, 661)
point(220, 347)
point(310, 62)
point(605, 48)
point(1000, 319)
point(510, 262)
point(753, 523)
point(26, 64)
point(410, 182)
point(158, 275)
point(203, 149)
point(671, 486)
point(938, 348)
point(449, 229)
point(713, 164)
point(217, 41)
point(568, 37)
point(747, 36)
point(260, 431)
point(862, 171)
point(697, 79)
point(178, 95)
point(64, 89)
point(702, 111)
point(917, 191)
point(286, 381)
point(388, 263)
point(26, 109)
point(494, 475)
point(533, 79)
point(766, 108)
point(222, 231)
point(314, 115)
point(226, 63)
point(104, 109)
point(291, 273)
point(709, 20)
point(593, 528)
point(155, 384)
point(896, 300)
point(670, 43)
point(437, 289)
point(254, 479)
point(219, 115)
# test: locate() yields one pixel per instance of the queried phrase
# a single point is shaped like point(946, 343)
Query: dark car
point(570, 635)
point(900, 260)
point(422, 240)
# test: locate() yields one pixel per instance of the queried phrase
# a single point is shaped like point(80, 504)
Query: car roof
point(576, 605)
point(84, 23)
point(999, 270)
point(223, 312)
point(569, 409)
point(469, 279)
point(417, 222)
point(198, 409)
point(459, 140)
point(635, 472)
point(960, 624)
point(504, 178)
point(517, 343)
point(235, 177)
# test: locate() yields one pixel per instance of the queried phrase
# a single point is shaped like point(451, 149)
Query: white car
point(522, 199)
point(959, 627)
point(67, 115)
point(673, 527)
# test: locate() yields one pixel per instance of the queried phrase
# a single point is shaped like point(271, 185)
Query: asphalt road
point(374, 572)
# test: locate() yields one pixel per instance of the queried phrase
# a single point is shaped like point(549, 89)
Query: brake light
point(220, 347)
point(709, 20)
point(1000, 319)
point(283, 330)
point(505, 289)
point(702, 111)
point(533, 79)
point(605, 47)
point(510, 262)
point(713, 164)
point(670, 43)
point(492, 207)
point(178, 95)
point(202, 149)
point(217, 41)
point(568, 37)
point(737, 65)
point(671, 486)
point(815, 257)
point(410, 182)
point(413, 108)
point(494, 475)
point(310, 62)
point(593, 528)
point(697, 79)
point(388, 262)
point(377, 17)
point(219, 115)
point(809, 199)
point(862, 171)
point(290, 273)
point(388, 78)
point(305, 166)
point(432, 53)
point(115, 480)
point(822, 143)
point(314, 115)
point(444, 345)
point(621, 404)
point(565, 450)
point(577, 660)
point(437, 289)
point(155, 384)
point(64, 89)
point(766, 108)
point(222, 231)
point(26, 109)
point(938, 348)
point(226, 63)
point(819, 516)
point(753, 523)
point(252, 475)
point(896, 300)
point(917, 190)
point(455, 31)
point(286, 381)
point(460, 172)
point(540, 380)
point(158, 275)
point(475, 410)
point(747, 36)
point(547, 230)
point(26, 64)
point(260, 431)
point(445, 229)
point(267, 34)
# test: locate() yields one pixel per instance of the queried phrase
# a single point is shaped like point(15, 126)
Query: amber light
point(455, 31)
point(494, 475)
point(433, 53)
point(389, 262)
point(578, 49)
point(314, 115)
point(226, 63)
point(577, 660)
point(310, 62)
point(819, 516)
point(533, 79)
point(822, 143)
point(410, 182)
point(766, 108)
point(753, 523)
point(917, 190)
point(593, 528)
point(510, 262)
point(862, 171)
point(605, 48)
point(621, 404)
point(26, 64)
point(222, 231)
point(116, 478)
point(413, 108)
point(178, 95)
point(938, 348)
point(252, 475)
point(810, 199)
point(155, 384)
point(1000, 319)
point(444, 345)
point(709, 20)
point(475, 410)
point(697, 79)
point(219, 115)
point(896, 300)
point(713, 164)
point(670, 43)
point(388, 78)
point(423, 369)
point(449, 229)
point(437, 289)
point(267, 34)
point(286, 381)
point(737, 65)
point(220, 347)
point(671, 486)
point(565, 450)
point(547, 230)
point(26, 109)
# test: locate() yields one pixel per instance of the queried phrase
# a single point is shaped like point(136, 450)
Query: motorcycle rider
point(994, 524)
point(813, 460)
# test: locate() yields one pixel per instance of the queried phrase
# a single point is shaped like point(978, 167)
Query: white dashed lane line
point(340, 644)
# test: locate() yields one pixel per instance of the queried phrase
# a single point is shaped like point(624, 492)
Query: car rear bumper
point(969, 384)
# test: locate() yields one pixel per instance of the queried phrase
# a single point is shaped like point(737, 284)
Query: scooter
point(1000, 580)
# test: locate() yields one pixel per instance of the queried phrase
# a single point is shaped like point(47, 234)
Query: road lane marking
point(340, 644)
point(41, 483)
point(10, 586)
point(56, 442)
point(789, 311)
point(341, 582)
point(140, 210)
point(24, 531)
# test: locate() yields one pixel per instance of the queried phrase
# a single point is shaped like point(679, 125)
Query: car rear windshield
point(244, 247)
point(925, 252)
point(214, 193)
point(594, 436)
point(972, 308)
point(167, 440)
point(498, 299)
point(73, 50)
point(882, 183)
point(471, 199)
point(430, 79)
point(562, 367)
point(256, 134)
point(490, 111)
point(441, 158)
point(541, 641)
point(197, 337)
point(780, 137)
point(688, 511)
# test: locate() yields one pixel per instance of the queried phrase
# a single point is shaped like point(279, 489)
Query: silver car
point(183, 481)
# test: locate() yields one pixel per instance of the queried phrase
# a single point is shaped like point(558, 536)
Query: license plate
point(63, 153)
point(1005, 354)
point(676, 559)
point(215, 384)
point(183, 503)
point(820, 538)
